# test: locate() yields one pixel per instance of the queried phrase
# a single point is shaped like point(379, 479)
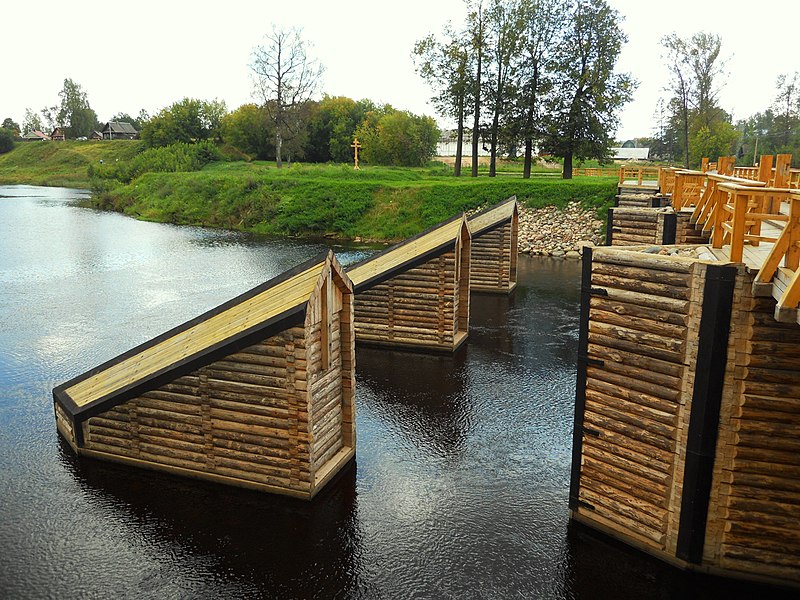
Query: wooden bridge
point(688, 396)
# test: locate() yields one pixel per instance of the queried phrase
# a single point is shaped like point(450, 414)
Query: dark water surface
point(460, 487)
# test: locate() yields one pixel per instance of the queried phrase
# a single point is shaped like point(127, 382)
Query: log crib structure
point(415, 295)
point(687, 415)
point(256, 393)
point(495, 232)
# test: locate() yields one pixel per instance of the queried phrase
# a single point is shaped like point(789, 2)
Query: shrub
point(174, 158)
point(6, 141)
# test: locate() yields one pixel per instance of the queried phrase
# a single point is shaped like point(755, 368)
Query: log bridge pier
point(687, 415)
point(259, 392)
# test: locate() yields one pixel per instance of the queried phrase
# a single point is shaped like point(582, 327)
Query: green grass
point(61, 163)
point(380, 203)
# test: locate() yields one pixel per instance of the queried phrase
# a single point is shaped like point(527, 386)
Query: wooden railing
point(740, 213)
point(707, 211)
point(786, 248)
point(666, 179)
point(688, 188)
point(596, 171)
point(638, 174)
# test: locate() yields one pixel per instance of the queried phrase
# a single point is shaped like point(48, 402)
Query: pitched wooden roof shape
point(262, 311)
point(406, 254)
point(120, 127)
point(492, 217)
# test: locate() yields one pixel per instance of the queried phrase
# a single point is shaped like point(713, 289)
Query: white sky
point(148, 54)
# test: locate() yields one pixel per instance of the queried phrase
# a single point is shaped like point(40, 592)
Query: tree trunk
point(460, 138)
point(526, 169)
point(686, 134)
point(567, 166)
point(476, 122)
point(493, 149)
point(278, 144)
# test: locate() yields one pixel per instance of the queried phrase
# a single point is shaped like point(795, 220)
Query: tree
point(477, 30)
point(680, 85)
point(504, 28)
point(332, 124)
point(398, 138)
point(285, 77)
point(6, 140)
point(11, 125)
point(31, 122)
point(247, 129)
point(589, 93)
point(189, 120)
point(542, 26)
point(445, 66)
point(74, 112)
point(137, 122)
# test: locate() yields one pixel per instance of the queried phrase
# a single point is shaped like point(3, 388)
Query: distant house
point(630, 153)
point(35, 136)
point(58, 134)
point(96, 135)
point(118, 130)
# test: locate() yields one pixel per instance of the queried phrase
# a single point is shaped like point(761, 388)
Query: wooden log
point(638, 338)
point(655, 289)
point(641, 260)
point(648, 389)
point(606, 338)
point(627, 449)
point(610, 355)
point(677, 332)
point(600, 421)
point(610, 510)
point(624, 416)
point(600, 303)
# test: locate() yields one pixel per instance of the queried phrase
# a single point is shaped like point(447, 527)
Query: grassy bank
point(375, 202)
point(380, 203)
point(61, 163)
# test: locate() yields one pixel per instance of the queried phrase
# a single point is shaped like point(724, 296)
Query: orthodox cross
point(355, 146)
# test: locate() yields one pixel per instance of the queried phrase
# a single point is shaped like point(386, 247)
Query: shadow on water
point(244, 542)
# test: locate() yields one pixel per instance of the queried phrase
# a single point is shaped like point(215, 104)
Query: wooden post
point(765, 168)
point(782, 166)
point(704, 165)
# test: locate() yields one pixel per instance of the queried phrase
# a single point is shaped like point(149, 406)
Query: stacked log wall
point(637, 393)
point(493, 262)
point(634, 226)
point(687, 233)
point(244, 417)
point(416, 308)
point(754, 517)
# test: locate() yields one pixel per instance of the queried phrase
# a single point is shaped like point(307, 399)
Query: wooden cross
point(355, 146)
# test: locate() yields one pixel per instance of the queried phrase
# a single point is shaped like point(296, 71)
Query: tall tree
point(74, 111)
point(503, 25)
point(284, 77)
point(11, 125)
point(707, 67)
point(787, 109)
point(585, 102)
point(680, 85)
point(476, 26)
point(31, 122)
point(542, 25)
point(445, 66)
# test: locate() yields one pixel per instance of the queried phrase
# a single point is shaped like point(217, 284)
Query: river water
point(462, 468)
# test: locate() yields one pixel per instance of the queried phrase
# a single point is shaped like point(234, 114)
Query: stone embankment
point(558, 232)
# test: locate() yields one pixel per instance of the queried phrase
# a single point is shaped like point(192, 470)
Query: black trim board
point(712, 358)
point(201, 359)
point(609, 227)
point(580, 385)
point(670, 231)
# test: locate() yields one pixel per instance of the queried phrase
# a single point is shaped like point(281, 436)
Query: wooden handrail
point(688, 188)
point(640, 174)
point(786, 248)
point(740, 213)
point(707, 212)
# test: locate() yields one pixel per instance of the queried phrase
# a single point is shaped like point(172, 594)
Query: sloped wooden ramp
point(415, 295)
point(256, 393)
point(495, 231)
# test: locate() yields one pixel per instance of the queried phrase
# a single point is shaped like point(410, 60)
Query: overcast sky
point(148, 54)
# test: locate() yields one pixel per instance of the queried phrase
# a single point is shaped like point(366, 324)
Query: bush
point(6, 141)
point(175, 158)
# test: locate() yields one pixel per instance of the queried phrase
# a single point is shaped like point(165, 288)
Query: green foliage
point(248, 129)
point(6, 140)
point(398, 138)
point(174, 158)
point(74, 111)
point(31, 122)
point(712, 144)
point(332, 126)
point(188, 120)
point(11, 125)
